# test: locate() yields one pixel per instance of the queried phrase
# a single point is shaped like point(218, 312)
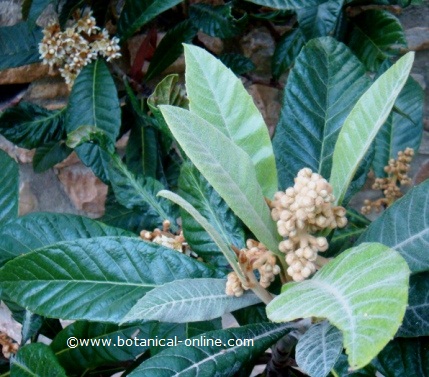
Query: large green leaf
point(50, 154)
point(404, 226)
point(227, 168)
point(40, 229)
point(376, 36)
point(216, 21)
point(237, 63)
point(9, 188)
point(29, 126)
point(19, 45)
point(318, 349)
point(207, 358)
point(324, 85)
point(218, 96)
point(137, 13)
point(97, 279)
point(32, 9)
point(195, 189)
point(188, 300)
point(363, 292)
point(98, 344)
point(36, 360)
point(286, 4)
point(403, 128)
point(364, 122)
point(416, 320)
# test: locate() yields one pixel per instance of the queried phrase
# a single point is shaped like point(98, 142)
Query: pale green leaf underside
point(218, 96)
point(363, 123)
point(189, 300)
point(227, 168)
point(363, 292)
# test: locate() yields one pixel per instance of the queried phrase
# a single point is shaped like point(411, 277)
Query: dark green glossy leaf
point(50, 154)
point(36, 360)
point(216, 21)
point(342, 369)
point(31, 325)
point(94, 157)
point(237, 63)
point(404, 227)
point(137, 13)
point(97, 279)
point(196, 190)
point(29, 126)
point(40, 229)
point(252, 314)
point(219, 360)
point(99, 344)
point(89, 134)
point(32, 9)
point(19, 45)
point(9, 188)
point(67, 9)
point(376, 36)
point(286, 4)
point(324, 85)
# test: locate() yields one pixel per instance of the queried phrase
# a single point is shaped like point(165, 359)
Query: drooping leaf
point(137, 13)
point(220, 358)
point(363, 123)
point(188, 300)
point(219, 97)
point(19, 45)
point(324, 85)
point(9, 188)
point(29, 126)
point(404, 227)
point(36, 360)
point(286, 4)
point(416, 320)
point(50, 154)
point(31, 325)
point(376, 36)
point(195, 189)
point(318, 349)
point(216, 21)
point(363, 292)
point(32, 9)
point(227, 168)
point(99, 344)
point(401, 130)
point(96, 279)
point(287, 49)
point(237, 63)
point(37, 230)
point(171, 47)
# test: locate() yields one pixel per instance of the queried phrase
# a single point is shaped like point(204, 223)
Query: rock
point(420, 79)
point(21, 155)
point(426, 124)
point(424, 146)
point(8, 325)
point(417, 38)
point(47, 88)
point(27, 200)
point(214, 44)
point(10, 12)
point(422, 174)
point(23, 74)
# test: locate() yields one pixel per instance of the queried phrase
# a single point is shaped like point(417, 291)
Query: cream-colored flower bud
point(276, 269)
point(308, 253)
point(306, 272)
point(285, 215)
point(341, 222)
point(322, 243)
point(290, 258)
point(299, 252)
point(298, 277)
point(290, 192)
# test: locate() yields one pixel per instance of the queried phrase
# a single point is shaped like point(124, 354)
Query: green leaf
point(363, 292)
point(287, 49)
point(99, 344)
point(37, 230)
point(32, 9)
point(188, 300)
point(137, 13)
point(342, 369)
point(324, 85)
point(213, 359)
point(67, 10)
point(416, 320)
point(31, 325)
point(9, 188)
point(404, 357)
point(227, 168)
point(400, 132)
point(29, 126)
point(286, 4)
point(318, 349)
point(219, 97)
point(97, 279)
point(36, 360)
point(50, 154)
point(195, 189)
point(364, 122)
point(237, 63)
point(19, 45)
point(89, 134)
point(376, 36)
point(404, 227)
point(216, 21)
point(171, 47)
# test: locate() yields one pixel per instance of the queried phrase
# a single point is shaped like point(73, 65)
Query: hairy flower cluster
point(301, 210)
point(76, 46)
point(397, 174)
point(8, 345)
point(254, 257)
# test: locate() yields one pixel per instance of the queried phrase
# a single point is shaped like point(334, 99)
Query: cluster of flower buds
point(254, 257)
point(72, 49)
point(8, 346)
point(301, 210)
point(397, 174)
